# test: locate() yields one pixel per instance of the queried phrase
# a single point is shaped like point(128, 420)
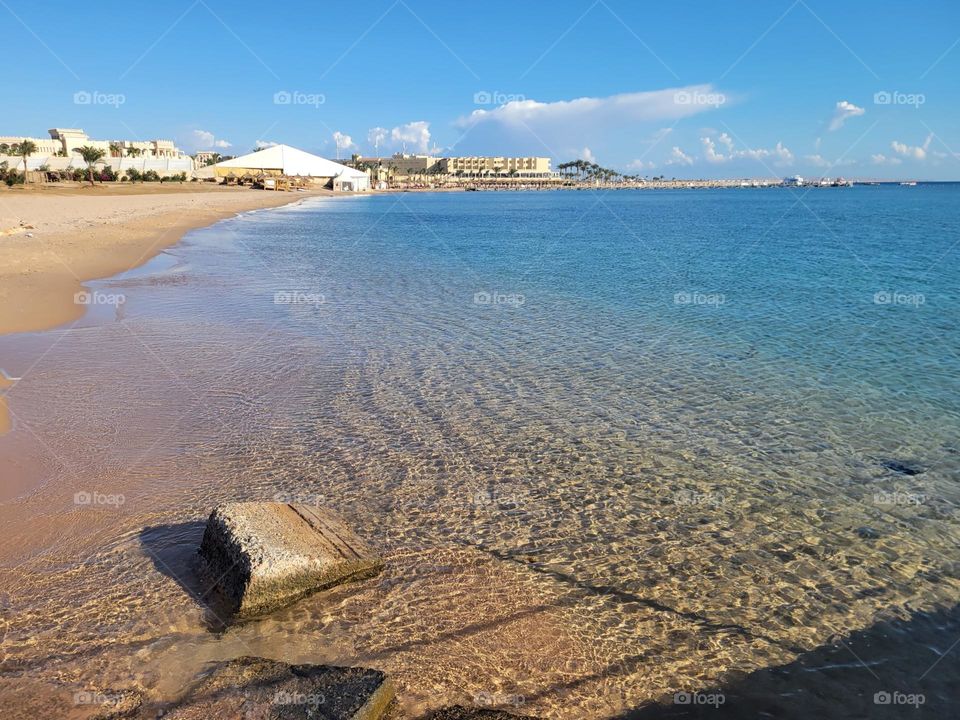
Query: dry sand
point(52, 238)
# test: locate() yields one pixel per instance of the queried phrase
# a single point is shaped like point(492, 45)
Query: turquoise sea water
point(616, 445)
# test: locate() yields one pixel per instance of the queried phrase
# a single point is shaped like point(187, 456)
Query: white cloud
point(679, 157)
point(843, 112)
point(783, 155)
point(710, 151)
point(817, 160)
point(617, 109)
point(415, 134)
point(587, 154)
point(523, 126)
point(261, 144)
point(917, 152)
point(376, 136)
point(881, 159)
point(780, 154)
point(205, 140)
point(640, 164)
point(344, 142)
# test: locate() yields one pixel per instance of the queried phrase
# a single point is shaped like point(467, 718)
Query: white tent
point(286, 160)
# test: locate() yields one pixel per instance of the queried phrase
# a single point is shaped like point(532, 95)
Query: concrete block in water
point(260, 556)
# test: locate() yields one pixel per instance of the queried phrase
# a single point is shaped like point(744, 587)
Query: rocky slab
point(255, 688)
point(260, 556)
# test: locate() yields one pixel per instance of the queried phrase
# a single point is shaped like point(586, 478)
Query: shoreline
point(54, 241)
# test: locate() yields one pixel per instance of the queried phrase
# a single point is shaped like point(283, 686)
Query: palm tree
point(134, 152)
point(116, 149)
point(90, 156)
point(25, 149)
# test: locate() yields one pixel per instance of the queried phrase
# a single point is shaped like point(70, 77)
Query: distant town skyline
point(745, 89)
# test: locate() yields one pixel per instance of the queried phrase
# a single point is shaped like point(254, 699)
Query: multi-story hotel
point(530, 167)
point(484, 166)
point(206, 157)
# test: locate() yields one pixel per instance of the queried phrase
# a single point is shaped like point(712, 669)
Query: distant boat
point(908, 184)
point(795, 181)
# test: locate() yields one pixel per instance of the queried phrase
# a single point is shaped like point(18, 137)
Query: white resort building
point(57, 152)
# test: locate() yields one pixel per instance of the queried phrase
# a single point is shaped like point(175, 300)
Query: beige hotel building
point(480, 166)
point(63, 141)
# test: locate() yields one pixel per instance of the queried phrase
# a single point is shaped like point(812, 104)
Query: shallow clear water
point(614, 445)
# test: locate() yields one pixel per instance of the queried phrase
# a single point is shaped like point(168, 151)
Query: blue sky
point(683, 89)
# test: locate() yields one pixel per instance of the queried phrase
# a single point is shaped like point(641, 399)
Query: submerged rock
point(902, 468)
point(868, 533)
point(260, 689)
point(260, 556)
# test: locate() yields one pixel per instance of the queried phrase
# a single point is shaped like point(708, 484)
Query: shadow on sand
point(173, 550)
point(893, 669)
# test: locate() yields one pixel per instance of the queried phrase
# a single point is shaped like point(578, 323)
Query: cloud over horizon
point(205, 140)
point(557, 125)
point(917, 152)
point(780, 154)
point(843, 112)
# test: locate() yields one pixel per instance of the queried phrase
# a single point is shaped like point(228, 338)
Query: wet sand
point(4, 415)
point(53, 239)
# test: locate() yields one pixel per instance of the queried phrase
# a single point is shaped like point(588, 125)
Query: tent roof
point(290, 161)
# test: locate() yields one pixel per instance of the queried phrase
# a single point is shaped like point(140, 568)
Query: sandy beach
point(53, 239)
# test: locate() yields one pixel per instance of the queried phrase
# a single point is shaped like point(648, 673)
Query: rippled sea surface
point(614, 446)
